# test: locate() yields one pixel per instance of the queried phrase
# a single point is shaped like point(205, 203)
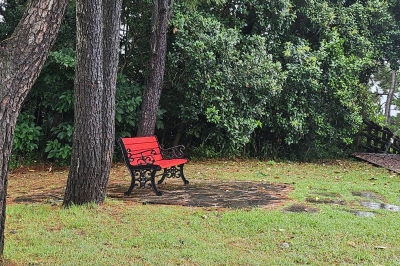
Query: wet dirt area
point(367, 203)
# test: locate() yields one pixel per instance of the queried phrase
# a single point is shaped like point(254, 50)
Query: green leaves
point(26, 134)
point(228, 78)
point(323, 98)
point(60, 148)
point(127, 109)
point(57, 150)
point(65, 57)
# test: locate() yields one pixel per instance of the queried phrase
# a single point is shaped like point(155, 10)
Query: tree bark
point(158, 51)
point(111, 41)
point(95, 85)
point(390, 97)
point(22, 57)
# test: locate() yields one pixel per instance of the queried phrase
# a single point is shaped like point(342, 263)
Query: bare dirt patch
point(43, 184)
point(388, 161)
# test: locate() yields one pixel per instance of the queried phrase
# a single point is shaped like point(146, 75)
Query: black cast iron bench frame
point(144, 157)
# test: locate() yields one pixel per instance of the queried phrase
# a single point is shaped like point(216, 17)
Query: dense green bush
point(221, 79)
point(26, 135)
point(321, 106)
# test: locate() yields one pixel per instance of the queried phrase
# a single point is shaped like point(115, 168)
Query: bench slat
point(169, 163)
point(143, 147)
point(139, 140)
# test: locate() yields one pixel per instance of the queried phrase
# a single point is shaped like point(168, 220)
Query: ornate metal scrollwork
point(173, 152)
point(143, 178)
point(173, 172)
point(141, 158)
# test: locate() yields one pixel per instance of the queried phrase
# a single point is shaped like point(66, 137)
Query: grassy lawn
point(323, 230)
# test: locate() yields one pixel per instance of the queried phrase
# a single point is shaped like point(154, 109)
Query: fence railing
point(374, 138)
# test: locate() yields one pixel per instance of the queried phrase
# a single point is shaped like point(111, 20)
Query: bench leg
point(164, 175)
point(173, 172)
point(182, 175)
point(129, 191)
point(153, 183)
point(141, 179)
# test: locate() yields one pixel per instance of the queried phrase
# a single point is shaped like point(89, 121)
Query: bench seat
point(169, 163)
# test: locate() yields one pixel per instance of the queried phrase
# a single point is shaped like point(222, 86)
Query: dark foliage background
point(282, 79)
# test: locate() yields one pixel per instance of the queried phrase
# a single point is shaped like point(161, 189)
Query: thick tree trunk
point(95, 84)
point(389, 98)
point(22, 57)
point(152, 94)
point(84, 174)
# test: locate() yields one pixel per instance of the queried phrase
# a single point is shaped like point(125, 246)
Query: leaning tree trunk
point(389, 98)
point(95, 84)
point(22, 57)
point(152, 94)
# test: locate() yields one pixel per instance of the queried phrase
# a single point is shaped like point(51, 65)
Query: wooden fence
point(373, 138)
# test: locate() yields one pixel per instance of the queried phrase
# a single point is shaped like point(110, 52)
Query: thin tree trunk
point(22, 57)
point(389, 98)
point(158, 49)
point(178, 135)
point(95, 85)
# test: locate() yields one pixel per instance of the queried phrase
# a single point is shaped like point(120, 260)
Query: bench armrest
point(172, 152)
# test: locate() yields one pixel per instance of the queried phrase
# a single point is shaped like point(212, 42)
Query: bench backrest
point(141, 150)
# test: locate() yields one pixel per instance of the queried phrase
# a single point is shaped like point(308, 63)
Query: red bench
point(144, 157)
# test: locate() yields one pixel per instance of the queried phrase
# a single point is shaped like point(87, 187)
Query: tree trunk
point(111, 41)
point(158, 51)
point(390, 97)
point(95, 85)
point(22, 57)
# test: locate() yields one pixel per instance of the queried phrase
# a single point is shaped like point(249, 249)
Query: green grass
point(120, 234)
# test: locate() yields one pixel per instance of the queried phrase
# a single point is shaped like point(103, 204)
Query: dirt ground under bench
point(41, 184)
